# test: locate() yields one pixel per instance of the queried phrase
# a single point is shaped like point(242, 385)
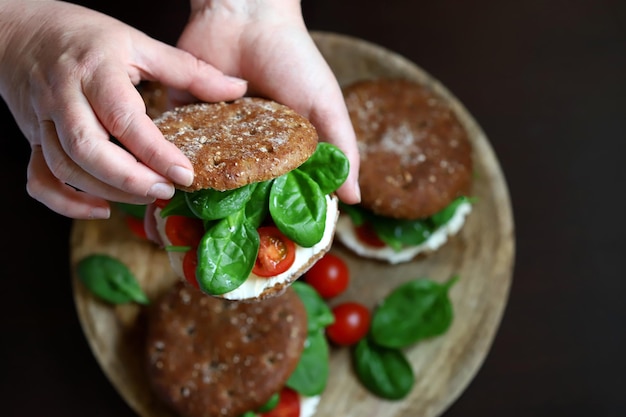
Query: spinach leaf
point(383, 371)
point(415, 310)
point(110, 280)
point(356, 213)
point(298, 208)
point(226, 254)
point(177, 206)
point(311, 373)
point(269, 404)
point(257, 207)
point(400, 233)
point(328, 166)
point(210, 204)
point(444, 216)
point(318, 312)
point(135, 210)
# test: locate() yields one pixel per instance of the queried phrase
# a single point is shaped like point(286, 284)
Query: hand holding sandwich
point(68, 73)
point(267, 44)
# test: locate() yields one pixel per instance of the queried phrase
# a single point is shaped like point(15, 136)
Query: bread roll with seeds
point(416, 159)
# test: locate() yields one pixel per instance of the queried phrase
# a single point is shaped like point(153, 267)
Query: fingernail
point(180, 175)
point(235, 80)
point(100, 213)
point(162, 191)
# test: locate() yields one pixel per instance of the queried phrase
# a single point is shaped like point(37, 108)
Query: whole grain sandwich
point(415, 173)
point(261, 210)
point(211, 357)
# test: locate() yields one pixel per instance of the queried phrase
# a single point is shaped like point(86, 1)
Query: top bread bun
point(415, 153)
point(231, 144)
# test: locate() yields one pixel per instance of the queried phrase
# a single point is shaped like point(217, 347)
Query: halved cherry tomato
point(288, 405)
point(352, 322)
point(135, 224)
point(329, 276)
point(190, 263)
point(276, 252)
point(367, 235)
point(184, 231)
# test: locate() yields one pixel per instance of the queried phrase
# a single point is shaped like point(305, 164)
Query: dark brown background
point(546, 79)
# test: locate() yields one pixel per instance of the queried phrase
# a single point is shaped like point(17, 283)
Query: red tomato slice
point(288, 405)
point(135, 225)
point(352, 322)
point(184, 231)
point(276, 252)
point(367, 235)
point(329, 276)
point(190, 263)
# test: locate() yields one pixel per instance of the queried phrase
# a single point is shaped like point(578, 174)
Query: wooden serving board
point(482, 255)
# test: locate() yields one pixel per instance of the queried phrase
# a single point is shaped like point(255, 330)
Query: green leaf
point(319, 314)
point(177, 206)
point(415, 310)
point(401, 233)
point(356, 213)
point(328, 167)
point(210, 204)
point(135, 210)
point(110, 280)
point(226, 254)
point(257, 208)
point(444, 216)
point(298, 208)
point(385, 372)
point(173, 248)
point(270, 404)
point(311, 373)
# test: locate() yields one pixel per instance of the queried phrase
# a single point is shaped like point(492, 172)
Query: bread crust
point(415, 153)
point(209, 357)
point(231, 144)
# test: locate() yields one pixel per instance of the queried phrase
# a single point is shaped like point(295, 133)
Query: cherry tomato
point(184, 231)
point(367, 235)
point(276, 252)
point(329, 276)
point(135, 224)
point(190, 263)
point(288, 405)
point(352, 322)
point(161, 203)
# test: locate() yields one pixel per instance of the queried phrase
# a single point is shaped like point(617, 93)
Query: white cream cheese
point(346, 234)
point(255, 285)
point(308, 405)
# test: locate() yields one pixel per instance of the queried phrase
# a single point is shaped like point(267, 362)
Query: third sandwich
point(415, 173)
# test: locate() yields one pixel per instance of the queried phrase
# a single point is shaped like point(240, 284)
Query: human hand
point(267, 44)
point(68, 75)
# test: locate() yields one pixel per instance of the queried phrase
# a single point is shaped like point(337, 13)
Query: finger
point(44, 187)
point(188, 75)
point(84, 137)
point(333, 125)
point(68, 172)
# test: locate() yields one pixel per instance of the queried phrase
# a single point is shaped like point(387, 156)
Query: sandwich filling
point(255, 285)
point(218, 246)
point(397, 241)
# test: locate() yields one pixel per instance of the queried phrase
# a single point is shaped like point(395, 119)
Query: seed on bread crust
point(415, 153)
point(209, 357)
point(231, 144)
